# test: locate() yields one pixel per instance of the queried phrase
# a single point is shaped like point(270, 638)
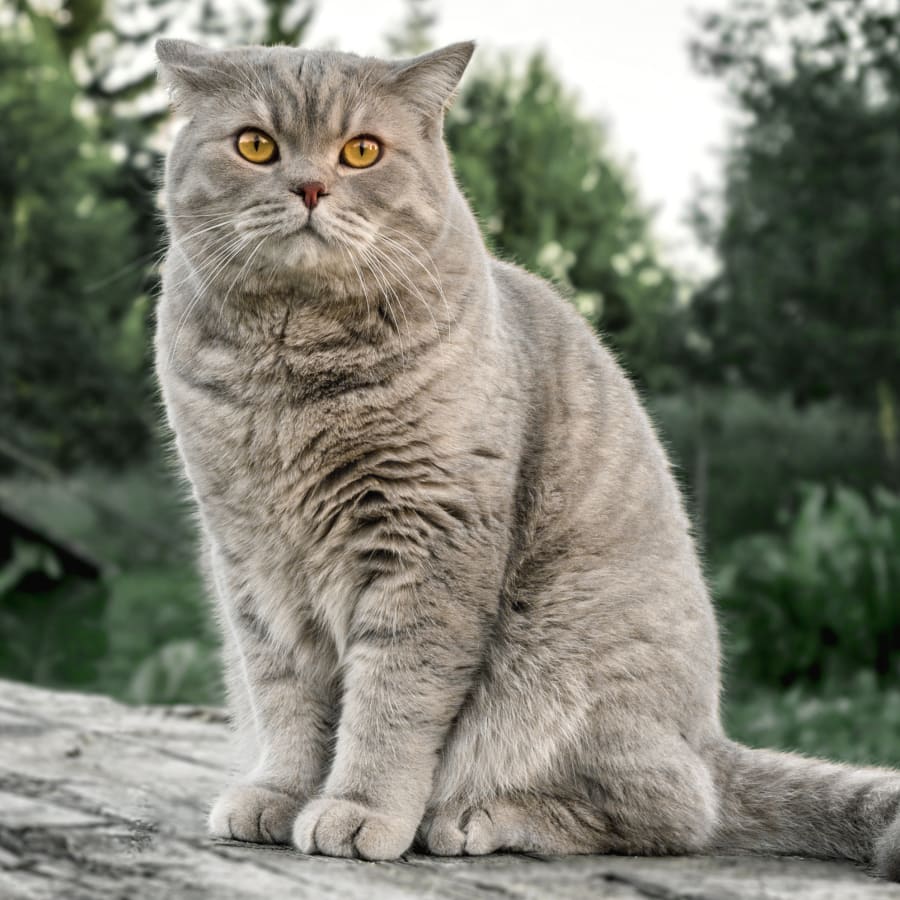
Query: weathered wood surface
point(99, 800)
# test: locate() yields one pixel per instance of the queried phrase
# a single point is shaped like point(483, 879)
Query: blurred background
point(716, 189)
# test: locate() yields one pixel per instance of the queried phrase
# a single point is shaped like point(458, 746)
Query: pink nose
point(310, 191)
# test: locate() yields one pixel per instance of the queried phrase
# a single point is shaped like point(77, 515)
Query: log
point(101, 800)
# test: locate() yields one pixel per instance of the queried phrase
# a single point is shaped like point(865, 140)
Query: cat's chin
point(303, 258)
point(302, 251)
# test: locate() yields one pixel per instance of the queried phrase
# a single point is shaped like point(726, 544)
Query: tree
point(70, 380)
point(550, 196)
point(413, 36)
point(807, 297)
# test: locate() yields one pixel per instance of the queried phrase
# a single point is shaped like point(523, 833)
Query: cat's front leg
point(283, 699)
point(409, 663)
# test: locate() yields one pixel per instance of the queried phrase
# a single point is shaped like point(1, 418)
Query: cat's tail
point(774, 802)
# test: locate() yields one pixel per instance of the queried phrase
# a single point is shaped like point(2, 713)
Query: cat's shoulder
point(537, 304)
point(513, 279)
point(532, 291)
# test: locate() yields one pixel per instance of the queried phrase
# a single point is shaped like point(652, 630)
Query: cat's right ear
point(186, 70)
point(429, 82)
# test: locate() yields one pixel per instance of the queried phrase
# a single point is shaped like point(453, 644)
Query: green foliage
point(806, 298)
point(49, 622)
point(72, 342)
point(77, 22)
point(143, 632)
point(821, 597)
point(803, 311)
point(551, 197)
point(854, 720)
point(286, 22)
point(161, 644)
point(132, 518)
point(740, 455)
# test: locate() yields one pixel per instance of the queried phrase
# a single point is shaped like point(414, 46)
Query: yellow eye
point(361, 152)
point(256, 146)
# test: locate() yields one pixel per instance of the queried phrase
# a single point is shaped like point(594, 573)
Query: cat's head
point(299, 164)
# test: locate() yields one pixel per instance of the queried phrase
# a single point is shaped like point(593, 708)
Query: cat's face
point(299, 166)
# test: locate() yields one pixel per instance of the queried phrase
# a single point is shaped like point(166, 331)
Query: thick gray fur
point(457, 586)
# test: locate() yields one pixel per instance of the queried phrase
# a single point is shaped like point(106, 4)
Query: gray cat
point(456, 582)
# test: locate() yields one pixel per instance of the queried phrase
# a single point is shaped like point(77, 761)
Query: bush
point(853, 720)
point(162, 643)
point(821, 598)
point(741, 456)
point(141, 633)
point(50, 620)
point(73, 344)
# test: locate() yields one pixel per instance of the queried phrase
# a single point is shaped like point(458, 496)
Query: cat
point(461, 604)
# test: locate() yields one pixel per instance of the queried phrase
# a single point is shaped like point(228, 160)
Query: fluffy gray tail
point(783, 803)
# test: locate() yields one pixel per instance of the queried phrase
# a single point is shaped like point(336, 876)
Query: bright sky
point(628, 61)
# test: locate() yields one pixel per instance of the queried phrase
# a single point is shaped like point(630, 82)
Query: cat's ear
point(429, 82)
point(186, 69)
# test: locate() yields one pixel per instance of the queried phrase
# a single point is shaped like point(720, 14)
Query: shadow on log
point(100, 800)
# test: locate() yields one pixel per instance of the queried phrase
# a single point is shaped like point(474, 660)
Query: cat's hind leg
point(653, 798)
point(581, 746)
point(528, 823)
point(630, 818)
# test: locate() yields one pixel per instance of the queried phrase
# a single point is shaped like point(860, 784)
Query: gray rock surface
point(100, 800)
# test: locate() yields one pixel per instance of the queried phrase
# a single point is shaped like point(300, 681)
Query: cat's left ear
point(429, 82)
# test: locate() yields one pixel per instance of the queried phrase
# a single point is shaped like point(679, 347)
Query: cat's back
point(563, 356)
point(572, 373)
point(594, 450)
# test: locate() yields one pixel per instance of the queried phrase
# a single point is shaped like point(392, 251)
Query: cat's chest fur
point(261, 434)
point(309, 474)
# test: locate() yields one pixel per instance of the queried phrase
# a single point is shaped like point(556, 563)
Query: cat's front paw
point(249, 812)
point(338, 827)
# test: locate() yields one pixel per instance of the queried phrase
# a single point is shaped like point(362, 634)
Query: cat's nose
point(310, 191)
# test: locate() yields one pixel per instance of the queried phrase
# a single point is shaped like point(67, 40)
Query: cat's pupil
point(256, 142)
point(362, 149)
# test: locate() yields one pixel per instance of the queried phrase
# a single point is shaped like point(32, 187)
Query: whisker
point(414, 291)
point(362, 284)
point(433, 275)
point(380, 276)
point(205, 228)
point(165, 214)
point(240, 272)
point(389, 264)
point(221, 242)
point(350, 217)
point(223, 258)
point(123, 271)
